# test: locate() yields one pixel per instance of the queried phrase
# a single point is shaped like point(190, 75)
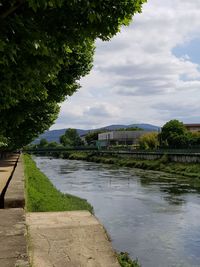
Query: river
point(153, 216)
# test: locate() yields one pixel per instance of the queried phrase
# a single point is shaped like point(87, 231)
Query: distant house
point(193, 127)
point(119, 138)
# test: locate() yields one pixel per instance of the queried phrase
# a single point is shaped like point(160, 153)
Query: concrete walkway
point(15, 193)
point(68, 239)
point(55, 239)
point(13, 245)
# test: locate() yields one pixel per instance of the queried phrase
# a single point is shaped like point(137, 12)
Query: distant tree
point(195, 139)
point(53, 144)
point(149, 141)
point(30, 146)
point(174, 135)
point(65, 141)
point(43, 142)
point(71, 138)
point(92, 136)
point(130, 129)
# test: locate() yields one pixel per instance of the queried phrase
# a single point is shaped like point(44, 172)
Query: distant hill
point(144, 126)
point(54, 135)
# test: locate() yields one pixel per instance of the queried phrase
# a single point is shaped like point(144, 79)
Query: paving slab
point(14, 196)
point(13, 246)
point(68, 239)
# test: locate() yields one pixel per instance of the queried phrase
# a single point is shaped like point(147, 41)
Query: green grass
point(41, 195)
point(78, 155)
point(126, 261)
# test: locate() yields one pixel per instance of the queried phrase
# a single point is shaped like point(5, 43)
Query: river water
point(152, 215)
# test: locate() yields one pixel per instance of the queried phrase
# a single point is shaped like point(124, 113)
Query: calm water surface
point(154, 216)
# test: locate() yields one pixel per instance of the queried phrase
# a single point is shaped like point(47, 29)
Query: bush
point(126, 261)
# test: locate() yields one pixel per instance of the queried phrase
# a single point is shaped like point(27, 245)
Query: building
point(120, 138)
point(193, 127)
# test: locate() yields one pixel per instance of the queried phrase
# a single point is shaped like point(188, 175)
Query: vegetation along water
point(46, 197)
point(162, 164)
point(152, 215)
point(41, 195)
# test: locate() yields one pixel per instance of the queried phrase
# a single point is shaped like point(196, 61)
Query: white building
point(120, 138)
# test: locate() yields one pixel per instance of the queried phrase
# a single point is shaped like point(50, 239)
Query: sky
point(148, 73)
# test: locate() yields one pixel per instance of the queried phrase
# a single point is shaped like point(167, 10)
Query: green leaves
point(175, 135)
point(46, 46)
point(3, 141)
point(71, 138)
point(43, 4)
point(149, 141)
point(92, 137)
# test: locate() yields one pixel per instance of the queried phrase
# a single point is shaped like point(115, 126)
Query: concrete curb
point(7, 167)
point(14, 196)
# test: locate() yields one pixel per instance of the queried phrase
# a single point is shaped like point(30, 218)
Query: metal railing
point(110, 150)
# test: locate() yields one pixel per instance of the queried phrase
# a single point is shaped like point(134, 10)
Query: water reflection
point(152, 215)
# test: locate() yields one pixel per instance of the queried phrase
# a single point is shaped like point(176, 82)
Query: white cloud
point(136, 71)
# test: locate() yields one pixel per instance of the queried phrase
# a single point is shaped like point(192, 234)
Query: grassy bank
point(163, 164)
point(41, 195)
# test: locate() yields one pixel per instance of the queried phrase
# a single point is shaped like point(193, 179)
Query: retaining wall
point(174, 157)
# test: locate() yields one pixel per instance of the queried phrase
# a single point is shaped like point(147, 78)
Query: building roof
point(192, 124)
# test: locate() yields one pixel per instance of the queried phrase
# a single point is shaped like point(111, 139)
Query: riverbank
point(163, 164)
point(41, 195)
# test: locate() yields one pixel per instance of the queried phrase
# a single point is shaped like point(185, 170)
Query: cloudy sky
point(148, 73)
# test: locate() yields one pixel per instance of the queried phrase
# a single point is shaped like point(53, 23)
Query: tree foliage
point(195, 139)
point(130, 129)
point(71, 138)
point(43, 142)
point(149, 141)
point(3, 142)
point(92, 136)
point(26, 121)
point(174, 135)
point(46, 46)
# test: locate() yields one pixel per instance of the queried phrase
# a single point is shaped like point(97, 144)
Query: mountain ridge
point(54, 135)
